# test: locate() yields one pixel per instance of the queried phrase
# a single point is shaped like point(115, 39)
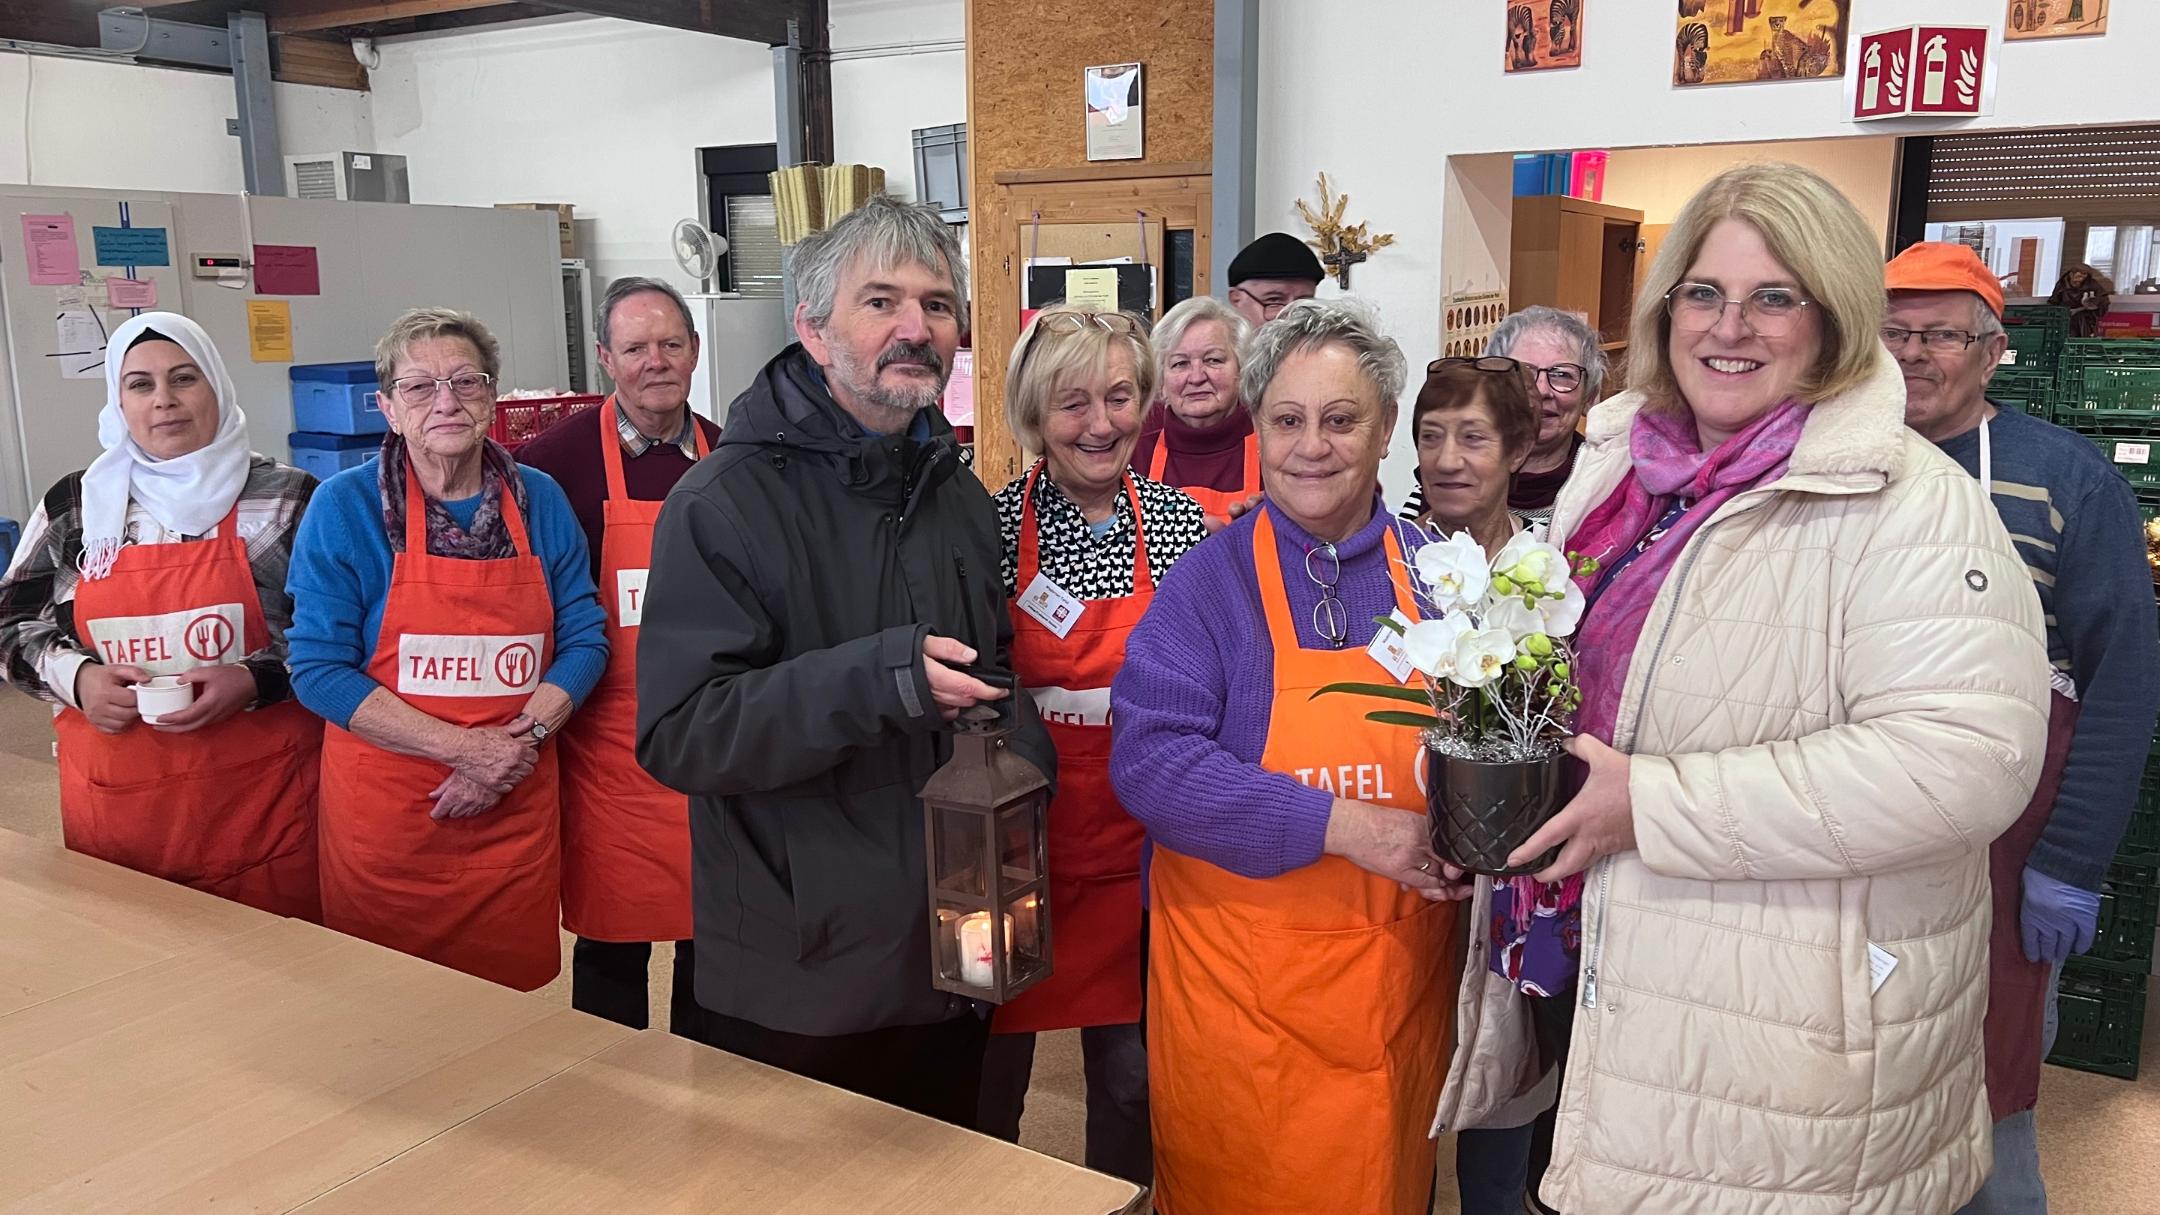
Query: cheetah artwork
point(1745, 41)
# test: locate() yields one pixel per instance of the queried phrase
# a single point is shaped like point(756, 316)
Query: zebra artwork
point(1522, 37)
point(1562, 22)
point(1691, 53)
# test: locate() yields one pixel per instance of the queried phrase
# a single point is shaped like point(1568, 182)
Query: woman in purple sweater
point(1300, 982)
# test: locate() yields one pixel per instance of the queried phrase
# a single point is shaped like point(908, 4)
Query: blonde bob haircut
point(1815, 233)
point(425, 324)
point(1064, 346)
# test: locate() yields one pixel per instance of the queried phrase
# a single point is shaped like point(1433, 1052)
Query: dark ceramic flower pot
point(1479, 812)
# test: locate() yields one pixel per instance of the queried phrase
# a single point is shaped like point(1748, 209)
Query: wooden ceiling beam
point(315, 16)
point(750, 20)
point(326, 62)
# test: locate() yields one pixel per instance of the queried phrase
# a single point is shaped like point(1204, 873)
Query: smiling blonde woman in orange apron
point(1303, 945)
point(445, 624)
point(1086, 544)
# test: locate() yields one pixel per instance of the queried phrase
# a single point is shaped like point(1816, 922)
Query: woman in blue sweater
point(444, 623)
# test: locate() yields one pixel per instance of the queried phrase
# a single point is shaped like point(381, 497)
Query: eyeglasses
point(1491, 363)
point(1768, 311)
point(421, 389)
point(1078, 322)
point(1562, 378)
point(1271, 304)
point(1330, 618)
point(1945, 340)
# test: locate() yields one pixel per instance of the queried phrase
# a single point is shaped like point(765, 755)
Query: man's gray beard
point(902, 403)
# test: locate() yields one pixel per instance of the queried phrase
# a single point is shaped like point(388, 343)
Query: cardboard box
point(565, 227)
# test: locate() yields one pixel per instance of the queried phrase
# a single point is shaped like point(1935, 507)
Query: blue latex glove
point(2057, 919)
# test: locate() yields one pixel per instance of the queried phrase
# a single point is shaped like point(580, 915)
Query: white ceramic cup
point(162, 695)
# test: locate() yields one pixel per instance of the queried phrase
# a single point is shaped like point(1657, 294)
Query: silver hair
point(1985, 322)
point(1569, 327)
point(622, 289)
point(1174, 324)
point(887, 232)
point(1311, 324)
point(426, 324)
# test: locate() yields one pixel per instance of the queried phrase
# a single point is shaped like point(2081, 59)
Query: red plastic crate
point(518, 422)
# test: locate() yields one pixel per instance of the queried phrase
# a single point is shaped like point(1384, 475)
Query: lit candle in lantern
point(975, 966)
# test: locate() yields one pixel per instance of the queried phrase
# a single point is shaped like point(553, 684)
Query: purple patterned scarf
point(1670, 468)
point(488, 539)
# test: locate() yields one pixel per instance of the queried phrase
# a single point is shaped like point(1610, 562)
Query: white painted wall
point(123, 127)
point(1337, 96)
point(881, 99)
point(606, 115)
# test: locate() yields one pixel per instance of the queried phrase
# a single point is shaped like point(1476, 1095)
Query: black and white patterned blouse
point(1088, 567)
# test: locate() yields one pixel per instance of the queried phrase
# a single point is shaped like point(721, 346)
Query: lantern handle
point(993, 716)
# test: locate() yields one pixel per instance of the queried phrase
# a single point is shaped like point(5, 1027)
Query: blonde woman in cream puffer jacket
point(1839, 700)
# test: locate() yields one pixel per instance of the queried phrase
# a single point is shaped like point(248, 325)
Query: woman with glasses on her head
point(1561, 352)
point(444, 623)
point(1302, 942)
point(1087, 541)
point(166, 557)
point(1814, 690)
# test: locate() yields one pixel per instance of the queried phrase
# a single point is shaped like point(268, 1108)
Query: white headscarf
point(187, 494)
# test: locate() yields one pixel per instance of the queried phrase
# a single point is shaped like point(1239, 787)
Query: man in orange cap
point(2075, 522)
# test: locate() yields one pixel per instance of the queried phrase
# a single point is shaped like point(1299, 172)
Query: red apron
point(229, 808)
point(1216, 502)
point(2017, 989)
point(1299, 1026)
point(1094, 844)
point(625, 836)
point(464, 642)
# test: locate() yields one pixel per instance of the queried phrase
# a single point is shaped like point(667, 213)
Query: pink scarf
point(1669, 468)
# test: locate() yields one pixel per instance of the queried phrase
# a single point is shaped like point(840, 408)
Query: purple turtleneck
point(1190, 707)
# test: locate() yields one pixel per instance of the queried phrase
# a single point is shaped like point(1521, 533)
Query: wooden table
point(67, 921)
point(659, 1124)
point(162, 1050)
point(258, 1071)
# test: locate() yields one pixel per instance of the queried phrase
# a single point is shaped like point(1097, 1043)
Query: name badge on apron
point(629, 598)
point(1389, 651)
point(1050, 606)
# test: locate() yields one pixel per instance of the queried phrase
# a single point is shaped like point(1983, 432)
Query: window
point(739, 206)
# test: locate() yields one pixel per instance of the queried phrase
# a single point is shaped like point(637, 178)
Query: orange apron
point(1094, 844)
point(1298, 1026)
point(464, 642)
point(625, 836)
point(229, 808)
point(1215, 502)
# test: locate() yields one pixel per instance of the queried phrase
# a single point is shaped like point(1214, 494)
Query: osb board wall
point(1027, 110)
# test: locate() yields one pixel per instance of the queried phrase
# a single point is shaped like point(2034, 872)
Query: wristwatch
point(539, 732)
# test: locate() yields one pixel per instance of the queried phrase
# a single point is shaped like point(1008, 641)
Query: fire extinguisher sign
point(1933, 70)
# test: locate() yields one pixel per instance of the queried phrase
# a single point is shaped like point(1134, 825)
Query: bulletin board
point(371, 261)
point(1139, 242)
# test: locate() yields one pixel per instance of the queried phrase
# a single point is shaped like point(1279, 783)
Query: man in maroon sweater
point(626, 838)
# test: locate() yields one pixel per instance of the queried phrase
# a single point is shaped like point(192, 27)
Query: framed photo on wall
point(1544, 34)
point(1746, 41)
point(1114, 120)
point(2056, 19)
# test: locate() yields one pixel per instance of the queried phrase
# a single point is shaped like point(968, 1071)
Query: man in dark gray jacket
point(817, 585)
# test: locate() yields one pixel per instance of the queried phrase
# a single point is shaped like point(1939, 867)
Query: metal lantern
point(985, 818)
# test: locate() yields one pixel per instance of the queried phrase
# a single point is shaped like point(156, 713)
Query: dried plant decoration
point(1340, 246)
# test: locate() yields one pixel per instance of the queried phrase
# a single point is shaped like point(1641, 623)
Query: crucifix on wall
point(1340, 245)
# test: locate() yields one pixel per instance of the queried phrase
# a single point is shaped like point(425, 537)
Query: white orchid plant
point(1492, 651)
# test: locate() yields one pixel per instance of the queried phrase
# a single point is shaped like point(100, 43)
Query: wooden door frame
point(1180, 195)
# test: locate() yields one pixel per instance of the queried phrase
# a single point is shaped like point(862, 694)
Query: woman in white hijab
point(166, 558)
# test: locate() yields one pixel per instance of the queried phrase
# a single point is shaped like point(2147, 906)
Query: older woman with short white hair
point(444, 623)
point(1302, 948)
point(1199, 435)
point(1086, 544)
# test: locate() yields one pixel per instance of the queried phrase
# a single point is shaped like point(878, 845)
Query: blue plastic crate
point(328, 455)
point(1543, 173)
point(336, 399)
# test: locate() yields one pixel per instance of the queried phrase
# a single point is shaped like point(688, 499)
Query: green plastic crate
point(2101, 1010)
point(2142, 838)
point(2129, 913)
point(2119, 388)
point(2031, 392)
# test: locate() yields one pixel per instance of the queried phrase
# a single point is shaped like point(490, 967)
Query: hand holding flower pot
point(1499, 681)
